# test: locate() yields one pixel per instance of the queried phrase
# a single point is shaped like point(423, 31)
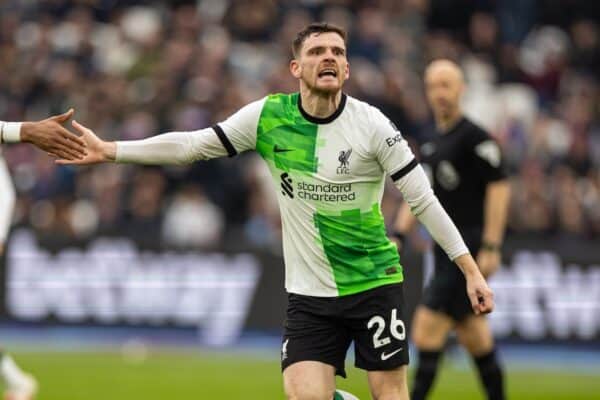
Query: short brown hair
point(318, 28)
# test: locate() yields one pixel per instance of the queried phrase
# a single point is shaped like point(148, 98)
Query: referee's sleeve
point(487, 159)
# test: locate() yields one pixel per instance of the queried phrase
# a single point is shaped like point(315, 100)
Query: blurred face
point(444, 87)
point(321, 64)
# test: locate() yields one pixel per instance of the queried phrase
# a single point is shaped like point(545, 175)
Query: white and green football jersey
point(330, 176)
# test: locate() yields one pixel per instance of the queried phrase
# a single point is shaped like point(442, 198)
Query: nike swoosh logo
point(387, 356)
point(277, 149)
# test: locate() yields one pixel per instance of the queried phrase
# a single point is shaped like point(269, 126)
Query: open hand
point(50, 136)
point(98, 151)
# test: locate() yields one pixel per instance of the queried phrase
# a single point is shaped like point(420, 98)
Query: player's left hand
point(488, 261)
point(480, 294)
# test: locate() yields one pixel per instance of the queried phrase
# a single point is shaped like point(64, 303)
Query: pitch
point(179, 374)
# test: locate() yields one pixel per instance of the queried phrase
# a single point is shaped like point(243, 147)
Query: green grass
point(205, 375)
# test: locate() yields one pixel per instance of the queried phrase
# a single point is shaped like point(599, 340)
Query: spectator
point(181, 66)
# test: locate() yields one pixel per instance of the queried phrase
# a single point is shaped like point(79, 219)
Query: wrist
point(488, 245)
point(401, 236)
point(467, 265)
point(12, 132)
point(109, 151)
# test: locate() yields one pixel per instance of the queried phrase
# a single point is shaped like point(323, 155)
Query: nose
point(328, 55)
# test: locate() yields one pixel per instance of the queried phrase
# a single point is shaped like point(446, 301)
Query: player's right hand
point(50, 136)
point(98, 151)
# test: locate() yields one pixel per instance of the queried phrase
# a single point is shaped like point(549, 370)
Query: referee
point(465, 166)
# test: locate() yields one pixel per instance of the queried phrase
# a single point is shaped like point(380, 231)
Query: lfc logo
point(344, 159)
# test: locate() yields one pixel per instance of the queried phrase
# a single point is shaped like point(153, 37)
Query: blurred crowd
point(133, 69)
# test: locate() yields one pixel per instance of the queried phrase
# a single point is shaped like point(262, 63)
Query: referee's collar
point(456, 126)
point(326, 120)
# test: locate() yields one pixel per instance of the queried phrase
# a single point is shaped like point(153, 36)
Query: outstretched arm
point(48, 135)
point(236, 134)
point(177, 148)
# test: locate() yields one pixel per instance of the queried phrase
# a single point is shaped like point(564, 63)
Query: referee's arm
point(489, 164)
point(497, 197)
point(403, 225)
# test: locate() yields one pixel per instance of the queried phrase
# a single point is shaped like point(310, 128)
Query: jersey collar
point(457, 126)
point(326, 120)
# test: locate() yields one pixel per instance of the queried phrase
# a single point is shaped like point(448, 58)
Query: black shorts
point(447, 290)
point(322, 328)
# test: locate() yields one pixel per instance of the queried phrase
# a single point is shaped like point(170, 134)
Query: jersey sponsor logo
point(328, 192)
point(277, 149)
point(286, 185)
point(447, 176)
point(344, 159)
point(391, 141)
point(387, 356)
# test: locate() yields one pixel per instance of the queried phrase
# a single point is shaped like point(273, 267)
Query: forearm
point(177, 148)
point(495, 212)
point(467, 264)
point(427, 208)
point(168, 148)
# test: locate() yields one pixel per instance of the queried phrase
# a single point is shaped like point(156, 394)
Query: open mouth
point(328, 72)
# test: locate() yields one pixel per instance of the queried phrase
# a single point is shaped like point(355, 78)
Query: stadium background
point(128, 282)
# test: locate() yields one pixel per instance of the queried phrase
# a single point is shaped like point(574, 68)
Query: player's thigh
point(378, 328)
point(475, 334)
point(309, 380)
point(389, 385)
point(430, 328)
point(313, 333)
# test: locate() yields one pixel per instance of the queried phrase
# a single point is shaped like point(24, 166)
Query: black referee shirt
point(460, 163)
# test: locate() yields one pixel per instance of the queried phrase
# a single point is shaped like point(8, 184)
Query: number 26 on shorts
point(396, 329)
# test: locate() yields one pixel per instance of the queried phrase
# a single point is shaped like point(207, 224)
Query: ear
point(347, 71)
point(295, 69)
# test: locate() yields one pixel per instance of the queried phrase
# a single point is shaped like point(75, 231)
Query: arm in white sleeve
point(7, 201)
point(10, 132)
point(228, 138)
point(178, 148)
point(423, 203)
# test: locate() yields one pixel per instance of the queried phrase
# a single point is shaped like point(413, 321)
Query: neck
point(319, 105)
point(446, 122)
